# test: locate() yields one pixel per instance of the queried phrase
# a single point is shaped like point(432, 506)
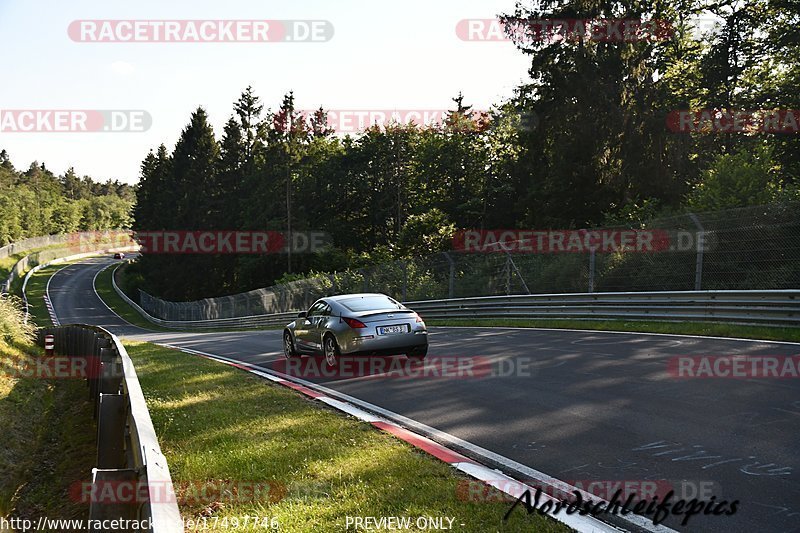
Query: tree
point(290, 134)
point(744, 178)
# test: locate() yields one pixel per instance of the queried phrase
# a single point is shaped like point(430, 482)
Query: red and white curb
point(489, 476)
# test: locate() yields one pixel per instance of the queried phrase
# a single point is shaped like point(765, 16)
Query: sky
point(383, 55)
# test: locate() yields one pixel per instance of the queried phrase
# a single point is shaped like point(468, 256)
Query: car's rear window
point(370, 303)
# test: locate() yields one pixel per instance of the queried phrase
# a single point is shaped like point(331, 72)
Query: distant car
point(119, 255)
point(356, 324)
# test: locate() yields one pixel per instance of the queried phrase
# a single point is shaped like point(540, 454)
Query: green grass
point(48, 431)
point(679, 328)
point(215, 422)
point(35, 292)
point(107, 293)
point(7, 263)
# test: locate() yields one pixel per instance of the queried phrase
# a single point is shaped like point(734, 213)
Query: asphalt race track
point(579, 406)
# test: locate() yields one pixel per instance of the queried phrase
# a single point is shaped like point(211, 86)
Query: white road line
point(54, 316)
point(426, 430)
point(516, 489)
point(94, 288)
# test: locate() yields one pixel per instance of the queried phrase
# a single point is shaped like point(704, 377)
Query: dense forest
point(37, 202)
point(586, 143)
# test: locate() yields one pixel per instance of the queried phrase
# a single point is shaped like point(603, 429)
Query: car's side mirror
point(302, 314)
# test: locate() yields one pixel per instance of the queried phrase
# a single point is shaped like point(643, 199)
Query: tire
point(289, 350)
point(330, 349)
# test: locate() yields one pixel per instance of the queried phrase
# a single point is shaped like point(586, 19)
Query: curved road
point(580, 406)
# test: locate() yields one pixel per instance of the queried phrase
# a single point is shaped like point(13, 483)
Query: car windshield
point(370, 303)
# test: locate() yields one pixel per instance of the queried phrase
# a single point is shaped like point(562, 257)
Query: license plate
point(392, 330)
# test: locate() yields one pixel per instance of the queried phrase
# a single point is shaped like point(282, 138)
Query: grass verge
point(107, 293)
point(219, 425)
point(678, 328)
point(121, 307)
point(48, 430)
point(37, 284)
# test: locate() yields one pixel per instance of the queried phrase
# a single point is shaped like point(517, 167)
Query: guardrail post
point(111, 431)
point(451, 283)
point(59, 333)
point(111, 372)
point(67, 349)
point(700, 238)
point(110, 510)
point(508, 275)
point(127, 449)
point(77, 340)
point(95, 355)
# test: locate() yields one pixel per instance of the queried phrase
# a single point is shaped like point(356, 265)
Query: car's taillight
point(419, 320)
point(354, 323)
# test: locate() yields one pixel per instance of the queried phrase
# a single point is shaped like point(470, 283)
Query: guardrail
point(127, 447)
point(772, 307)
point(52, 255)
point(40, 242)
point(246, 322)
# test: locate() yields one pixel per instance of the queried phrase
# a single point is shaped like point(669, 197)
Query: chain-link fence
point(74, 244)
point(747, 248)
point(72, 239)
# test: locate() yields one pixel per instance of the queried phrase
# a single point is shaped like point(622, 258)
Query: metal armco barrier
point(38, 260)
point(258, 321)
point(772, 307)
point(127, 447)
point(777, 307)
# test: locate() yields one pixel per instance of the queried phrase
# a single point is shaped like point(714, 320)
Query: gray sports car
point(356, 324)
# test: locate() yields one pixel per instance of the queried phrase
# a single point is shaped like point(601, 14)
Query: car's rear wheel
point(331, 350)
point(288, 346)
